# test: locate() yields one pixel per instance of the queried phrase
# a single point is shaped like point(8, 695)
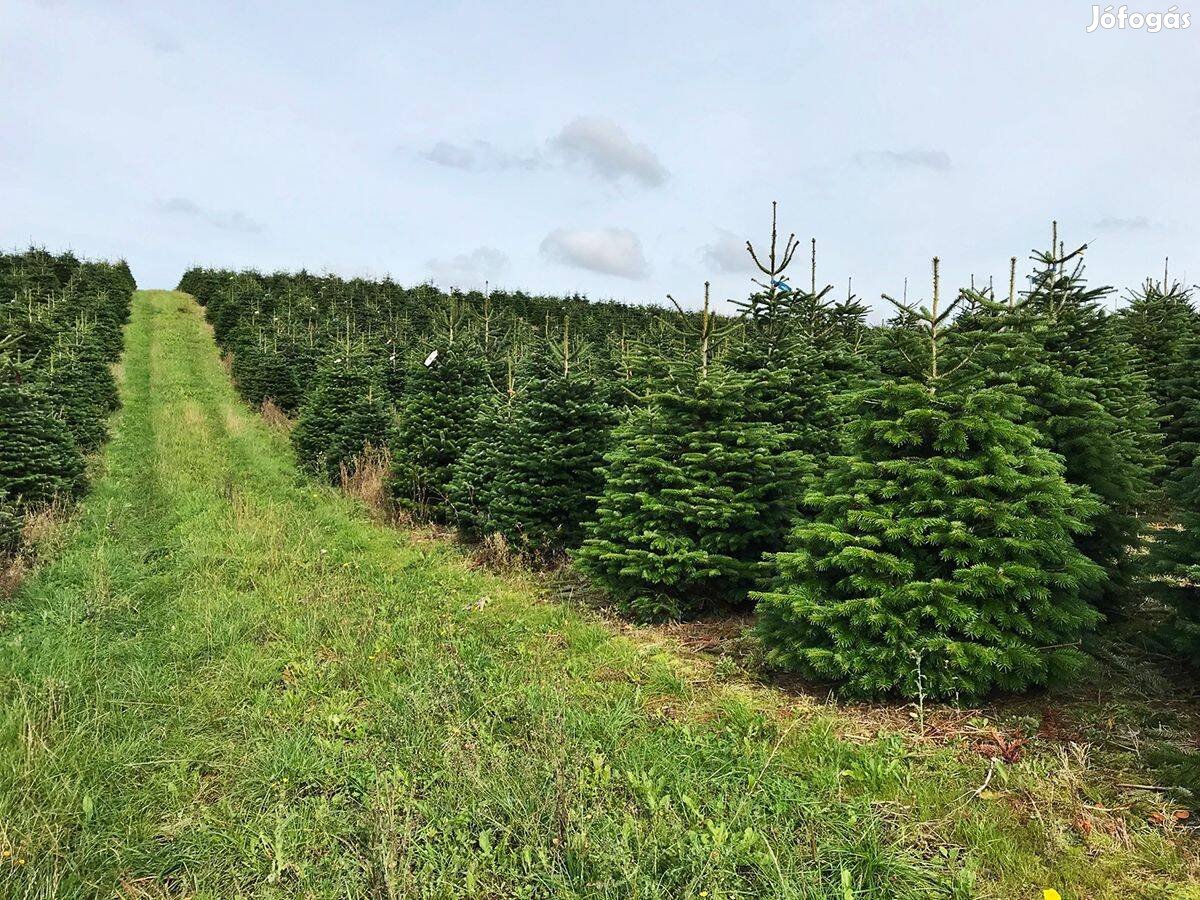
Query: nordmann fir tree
point(779, 349)
point(1162, 326)
point(39, 459)
point(551, 453)
point(938, 560)
point(343, 416)
point(696, 488)
point(475, 475)
point(1081, 340)
point(436, 417)
point(1007, 344)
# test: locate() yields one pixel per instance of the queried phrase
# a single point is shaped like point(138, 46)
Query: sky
point(618, 149)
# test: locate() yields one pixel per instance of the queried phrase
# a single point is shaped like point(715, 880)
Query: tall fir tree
point(939, 558)
point(1083, 342)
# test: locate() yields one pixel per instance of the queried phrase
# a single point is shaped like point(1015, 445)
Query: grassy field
point(227, 681)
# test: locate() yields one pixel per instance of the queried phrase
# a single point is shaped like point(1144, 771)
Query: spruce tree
point(342, 416)
point(938, 560)
point(695, 491)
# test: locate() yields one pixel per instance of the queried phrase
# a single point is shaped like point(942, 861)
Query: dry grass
point(366, 479)
point(41, 535)
point(274, 416)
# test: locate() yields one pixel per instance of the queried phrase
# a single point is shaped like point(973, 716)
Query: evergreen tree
point(39, 458)
point(1163, 328)
point(436, 419)
point(1115, 459)
point(695, 491)
point(1176, 562)
point(1009, 345)
point(81, 387)
point(343, 415)
point(548, 475)
point(939, 559)
point(475, 474)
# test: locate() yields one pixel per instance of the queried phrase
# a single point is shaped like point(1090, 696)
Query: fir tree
point(81, 387)
point(1163, 328)
point(695, 491)
point(475, 474)
point(550, 456)
point(341, 417)
point(939, 558)
point(1176, 562)
point(39, 458)
point(436, 417)
point(1117, 459)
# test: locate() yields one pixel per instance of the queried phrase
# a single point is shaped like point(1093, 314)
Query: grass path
point(229, 682)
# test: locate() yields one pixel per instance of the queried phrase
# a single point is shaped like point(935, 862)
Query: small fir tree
point(342, 416)
point(436, 417)
point(695, 491)
point(39, 459)
point(549, 473)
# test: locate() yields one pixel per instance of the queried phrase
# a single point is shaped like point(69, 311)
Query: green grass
point(229, 682)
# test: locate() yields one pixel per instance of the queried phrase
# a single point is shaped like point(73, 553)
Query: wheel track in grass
point(231, 683)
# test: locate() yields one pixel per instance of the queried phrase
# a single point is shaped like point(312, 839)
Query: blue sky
point(623, 150)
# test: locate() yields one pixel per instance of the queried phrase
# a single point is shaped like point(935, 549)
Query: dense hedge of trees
point(60, 333)
point(942, 505)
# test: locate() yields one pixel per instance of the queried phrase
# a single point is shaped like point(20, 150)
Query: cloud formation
point(230, 220)
point(603, 146)
point(480, 156)
point(727, 253)
point(931, 160)
point(1116, 223)
point(468, 270)
point(611, 251)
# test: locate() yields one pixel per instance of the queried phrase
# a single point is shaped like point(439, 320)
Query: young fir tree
point(1115, 460)
point(342, 416)
point(782, 335)
point(81, 387)
point(436, 417)
point(550, 456)
point(39, 458)
point(1162, 326)
point(475, 475)
point(1006, 344)
point(696, 489)
point(939, 558)
point(1175, 559)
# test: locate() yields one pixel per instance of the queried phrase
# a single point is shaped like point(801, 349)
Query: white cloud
point(933, 160)
point(604, 147)
point(480, 156)
point(728, 253)
point(1117, 223)
point(612, 251)
point(468, 270)
point(226, 220)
